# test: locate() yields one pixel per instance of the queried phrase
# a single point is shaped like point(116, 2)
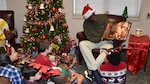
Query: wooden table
point(137, 53)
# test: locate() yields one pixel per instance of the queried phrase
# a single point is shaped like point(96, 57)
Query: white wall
point(18, 6)
point(75, 25)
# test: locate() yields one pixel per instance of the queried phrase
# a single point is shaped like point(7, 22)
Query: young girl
point(7, 68)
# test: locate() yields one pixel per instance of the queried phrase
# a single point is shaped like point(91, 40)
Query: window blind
point(113, 6)
point(2, 4)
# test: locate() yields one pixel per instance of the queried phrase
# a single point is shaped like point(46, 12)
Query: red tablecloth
point(137, 52)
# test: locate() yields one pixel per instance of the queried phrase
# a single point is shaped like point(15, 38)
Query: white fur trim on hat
point(88, 13)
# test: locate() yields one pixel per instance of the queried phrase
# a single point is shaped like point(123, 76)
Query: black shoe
point(88, 74)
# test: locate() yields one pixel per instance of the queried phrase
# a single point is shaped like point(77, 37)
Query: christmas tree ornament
point(27, 30)
point(48, 1)
point(58, 52)
point(29, 6)
point(42, 6)
point(35, 29)
point(125, 12)
point(60, 10)
point(21, 44)
point(66, 26)
point(58, 39)
point(43, 37)
point(24, 19)
point(59, 21)
point(54, 9)
point(52, 28)
point(34, 48)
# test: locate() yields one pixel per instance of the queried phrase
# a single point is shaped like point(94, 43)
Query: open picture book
point(118, 31)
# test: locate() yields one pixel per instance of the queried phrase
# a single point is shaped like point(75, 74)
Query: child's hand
point(14, 55)
point(80, 79)
point(106, 60)
point(73, 76)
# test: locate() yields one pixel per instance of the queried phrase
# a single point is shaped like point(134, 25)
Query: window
point(2, 4)
point(113, 6)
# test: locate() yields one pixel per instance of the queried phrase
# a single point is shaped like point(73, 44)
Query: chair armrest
point(81, 36)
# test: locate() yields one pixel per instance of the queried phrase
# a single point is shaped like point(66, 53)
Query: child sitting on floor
point(114, 70)
point(44, 48)
point(68, 59)
point(30, 75)
point(67, 77)
point(8, 68)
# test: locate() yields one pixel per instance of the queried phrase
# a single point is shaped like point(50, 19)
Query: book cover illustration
point(118, 31)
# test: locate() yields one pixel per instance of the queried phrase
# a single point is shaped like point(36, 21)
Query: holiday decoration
point(125, 12)
point(45, 20)
point(42, 6)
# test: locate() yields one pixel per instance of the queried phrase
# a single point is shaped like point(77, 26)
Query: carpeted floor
point(139, 78)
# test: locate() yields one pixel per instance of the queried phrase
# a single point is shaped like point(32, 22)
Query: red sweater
point(44, 60)
point(113, 74)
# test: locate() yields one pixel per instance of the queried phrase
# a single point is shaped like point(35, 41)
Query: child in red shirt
point(44, 48)
point(114, 71)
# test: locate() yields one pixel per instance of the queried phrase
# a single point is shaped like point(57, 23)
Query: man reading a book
point(94, 27)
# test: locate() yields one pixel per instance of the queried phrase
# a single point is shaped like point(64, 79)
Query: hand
point(73, 76)
point(106, 60)
point(14, 31)
point(80, 79)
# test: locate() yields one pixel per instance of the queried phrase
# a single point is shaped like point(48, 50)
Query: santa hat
point(87, 11)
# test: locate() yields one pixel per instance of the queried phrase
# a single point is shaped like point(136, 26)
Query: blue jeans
point(97, 77)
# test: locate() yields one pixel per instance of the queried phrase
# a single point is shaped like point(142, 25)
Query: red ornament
point(58, 52)
point(67, 43)
point(34, 48)
point(66, 26)
point(59, 21)
point(54, 9)
point(21, 45)
point(35, 29)
point(44, 37)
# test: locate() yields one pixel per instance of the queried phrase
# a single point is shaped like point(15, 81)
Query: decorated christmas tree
point(125, 12)
point(45, 20)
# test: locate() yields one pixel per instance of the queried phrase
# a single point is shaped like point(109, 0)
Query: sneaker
point(88, 74)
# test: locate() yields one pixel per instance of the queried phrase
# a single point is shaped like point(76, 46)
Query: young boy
point(114, 70)
point(44, 48)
